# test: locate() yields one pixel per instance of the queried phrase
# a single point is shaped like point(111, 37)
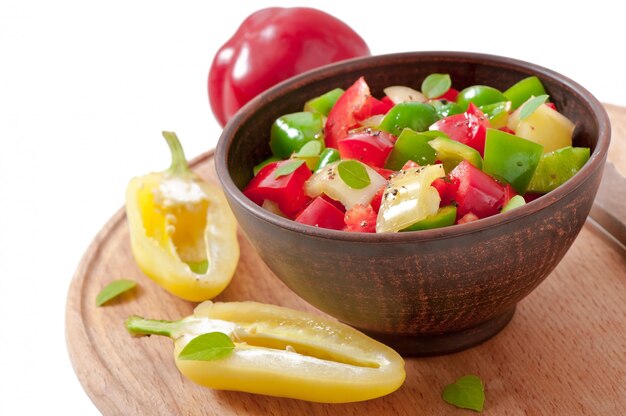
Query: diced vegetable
point(411, 146)
point(414, 115)
point(520, 92)
point(292, 131)
point(409, 198)
point(324, 103)
point(544, 126)
point(557, 167)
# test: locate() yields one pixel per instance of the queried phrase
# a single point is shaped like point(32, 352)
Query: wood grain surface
point(564, 352)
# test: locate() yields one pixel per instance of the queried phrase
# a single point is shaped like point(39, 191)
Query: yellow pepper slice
point(183, 234)
point(282, 352)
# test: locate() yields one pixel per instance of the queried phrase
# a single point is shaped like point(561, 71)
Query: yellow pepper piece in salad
point(282, 352)
point(183, 234)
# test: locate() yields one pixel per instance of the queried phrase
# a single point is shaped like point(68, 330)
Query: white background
point(87, 87)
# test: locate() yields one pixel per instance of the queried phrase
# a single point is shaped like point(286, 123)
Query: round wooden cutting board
point(563, 352)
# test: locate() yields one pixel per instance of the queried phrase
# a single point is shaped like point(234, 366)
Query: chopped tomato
point(286, 190)
point(323, 214)
point(378, 198)
point(447, 190)
point(371, 147)
point(385, 173)
point(342, 116)
point(477, 192)
point(449, 95)
point(509, 192)
point(360, 218)
point(469, 128)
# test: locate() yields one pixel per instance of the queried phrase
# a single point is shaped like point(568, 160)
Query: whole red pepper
point(272, 45)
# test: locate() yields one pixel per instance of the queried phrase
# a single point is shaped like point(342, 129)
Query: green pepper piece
point(444, 217)
point(292, 131)
point(479, 95)
point(414, 115)
point(324, 102)
point(413, 146)
point(511, 158)
point(515, 202)
point(520, 92)
point(556, 167)
point(445, 108)
point(328, 155)
point(497, 113)
point(451, 153)
point(261, 165)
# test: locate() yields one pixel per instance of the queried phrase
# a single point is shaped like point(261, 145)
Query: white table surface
point(87, 87)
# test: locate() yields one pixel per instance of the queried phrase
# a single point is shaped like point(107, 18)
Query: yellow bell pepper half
point(282, 352)
point(182, 232)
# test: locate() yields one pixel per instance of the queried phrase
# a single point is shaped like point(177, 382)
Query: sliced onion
point(401, 94)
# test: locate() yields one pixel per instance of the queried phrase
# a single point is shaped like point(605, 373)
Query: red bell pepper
point(285, 190)
point(469, 128)
point(477, 192)
point(323, 214)
point(272, 45)
point(449, 95)
point(343, 115)
point(369, 147)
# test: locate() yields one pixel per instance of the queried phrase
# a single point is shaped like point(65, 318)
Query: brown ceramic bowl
point(424, 292)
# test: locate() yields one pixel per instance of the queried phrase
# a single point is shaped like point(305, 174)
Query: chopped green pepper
point(324, 102)
point(292, 131)
point(511, 158)
point(444, 217)
point(556, 167)
point(497, 113)
point(328, 155)
point(451, 153)
point(519, 93)
point(414, 115)
point(445, 108)
point(411, 146)
point(479, 95)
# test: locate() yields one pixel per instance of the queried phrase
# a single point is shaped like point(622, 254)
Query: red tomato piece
point(360, 218)
point(410, 164)
point(342, 116)
point(385, 173)
point(337, 204)
point(509, 192)
point(469, 128)
point(469, 217)
point(286, 190)
point(447, 190)
point(450, 95)
point(477, 192)
point(323, 214)
point(377, 199)
point(369, 147)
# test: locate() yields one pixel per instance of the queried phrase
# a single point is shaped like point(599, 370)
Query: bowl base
point(428, 345)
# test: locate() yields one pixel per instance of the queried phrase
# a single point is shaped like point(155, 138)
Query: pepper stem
point(140, 327)
point(179, 162)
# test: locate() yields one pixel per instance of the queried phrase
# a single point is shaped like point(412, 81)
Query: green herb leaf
point(531, 105)
point(208, 347)
point(353, 174)
point(310, 149)
point(114, 289)
point(467, 393)
point(435, 85)
point(288, 167)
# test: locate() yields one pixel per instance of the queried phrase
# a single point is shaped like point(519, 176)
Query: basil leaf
point(436, 85)
point(288, 167)
point(310, 149)
point(467, 393)
point(114, 289)
point(208, 347)
point(353, 174)
point(531, 105)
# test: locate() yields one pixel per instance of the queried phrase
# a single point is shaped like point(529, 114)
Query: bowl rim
point(596, 160)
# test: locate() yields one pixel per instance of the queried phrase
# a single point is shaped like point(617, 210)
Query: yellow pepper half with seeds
point(282, 352)
point(182, 232)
